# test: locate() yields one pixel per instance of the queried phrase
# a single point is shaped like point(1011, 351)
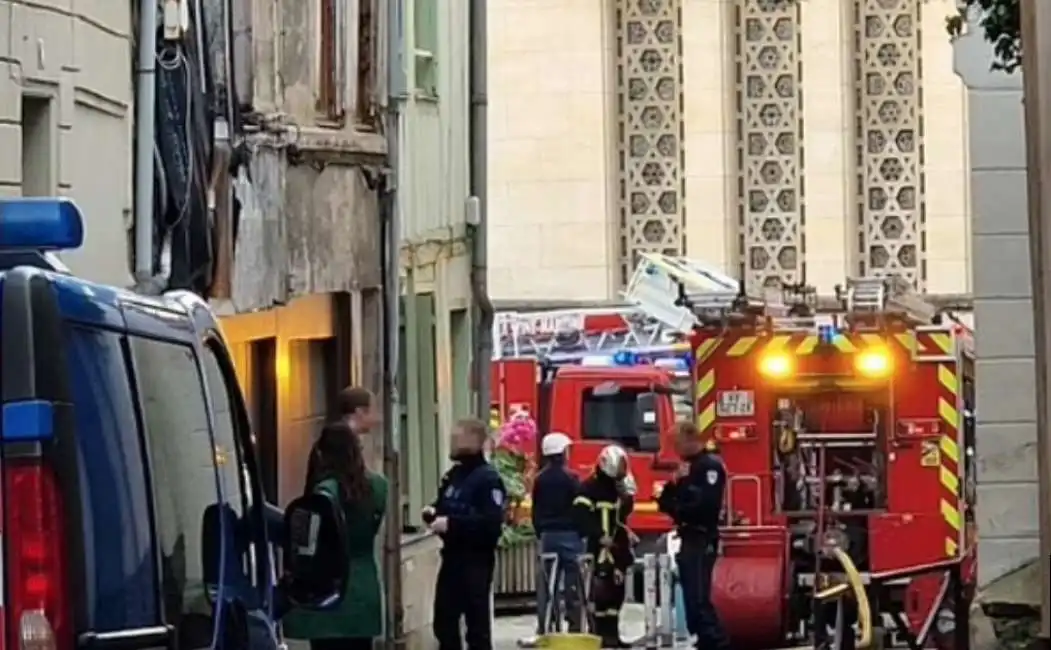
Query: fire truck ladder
point(888, 296)
point(563, 334)
point(681, 293)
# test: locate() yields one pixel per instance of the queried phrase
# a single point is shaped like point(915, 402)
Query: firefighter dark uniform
point(694, 502)
point(602, 511)
point(472, 496)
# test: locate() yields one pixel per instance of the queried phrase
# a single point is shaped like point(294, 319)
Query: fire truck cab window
point(613, 417)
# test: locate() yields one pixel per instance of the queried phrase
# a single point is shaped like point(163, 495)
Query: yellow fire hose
point(569, 641)
point(856, 585)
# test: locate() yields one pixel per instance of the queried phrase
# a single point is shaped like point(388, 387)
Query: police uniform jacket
point(473, 498)
point(554, 491)
point(602, 511)
point(695, 501)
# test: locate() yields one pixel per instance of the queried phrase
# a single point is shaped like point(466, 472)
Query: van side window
point(234, 479)
point(611, 417)
point(120, 583)
point(182, 463)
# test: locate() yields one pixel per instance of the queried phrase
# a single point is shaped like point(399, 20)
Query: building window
point(425, 31)
point(366, 62)
point(422, 460)
point(36, 146)
point(332, 87)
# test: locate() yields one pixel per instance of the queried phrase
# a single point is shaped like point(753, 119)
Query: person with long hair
point(338, 470)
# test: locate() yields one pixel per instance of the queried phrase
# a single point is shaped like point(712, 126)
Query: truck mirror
point(647, 424)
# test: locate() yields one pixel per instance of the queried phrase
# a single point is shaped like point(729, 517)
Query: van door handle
point(141, 638)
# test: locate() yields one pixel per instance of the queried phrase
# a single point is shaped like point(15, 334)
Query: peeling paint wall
point(310, 213)
point(332, 225)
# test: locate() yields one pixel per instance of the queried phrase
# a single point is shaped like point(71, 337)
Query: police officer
point(605, 502)
point(694, 501)
point(554, 491)
point(468, 515)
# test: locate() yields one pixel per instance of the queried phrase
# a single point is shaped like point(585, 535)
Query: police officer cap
point(554, 444)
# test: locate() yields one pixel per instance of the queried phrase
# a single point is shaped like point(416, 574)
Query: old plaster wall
point(1006, 413)
point(310, 215)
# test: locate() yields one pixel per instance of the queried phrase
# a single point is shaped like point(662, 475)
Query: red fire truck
point(601, 377)
point(845, 425)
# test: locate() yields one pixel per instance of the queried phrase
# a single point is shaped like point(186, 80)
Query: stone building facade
point(781, 140)
point(65, 107)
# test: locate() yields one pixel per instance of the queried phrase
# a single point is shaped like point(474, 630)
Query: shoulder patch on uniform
point(498, 496)
point(713, 477)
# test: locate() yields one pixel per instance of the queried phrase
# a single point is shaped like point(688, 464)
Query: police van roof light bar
point(41, 224)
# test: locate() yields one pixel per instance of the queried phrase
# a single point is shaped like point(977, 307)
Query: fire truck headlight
point(776, 366)
point(874, 363)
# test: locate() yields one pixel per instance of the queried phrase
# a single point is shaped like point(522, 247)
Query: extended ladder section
point(568, 335)
point(889, 296)
point(682, 293)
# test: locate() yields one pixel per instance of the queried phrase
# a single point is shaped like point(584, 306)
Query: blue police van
point(131, 501)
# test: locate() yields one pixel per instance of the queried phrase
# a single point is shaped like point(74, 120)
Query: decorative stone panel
point(769, 143)
point(891, 238)
point(650, 120)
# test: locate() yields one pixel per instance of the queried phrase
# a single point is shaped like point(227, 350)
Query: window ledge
point(349, 141)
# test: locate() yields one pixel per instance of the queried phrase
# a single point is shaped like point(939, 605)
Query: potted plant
point(512, 458)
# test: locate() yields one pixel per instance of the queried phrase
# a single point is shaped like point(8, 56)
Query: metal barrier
point(658, 579)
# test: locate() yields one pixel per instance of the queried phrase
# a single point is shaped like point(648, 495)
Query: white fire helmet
point(613, 462)
point(554, 444)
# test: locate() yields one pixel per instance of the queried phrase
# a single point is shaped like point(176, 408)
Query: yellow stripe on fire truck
point(704, 391)
point(948, 471)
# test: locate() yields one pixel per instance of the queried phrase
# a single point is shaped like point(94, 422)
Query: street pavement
point(509, 630)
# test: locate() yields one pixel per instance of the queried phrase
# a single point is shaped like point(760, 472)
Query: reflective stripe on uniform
point(584, 501)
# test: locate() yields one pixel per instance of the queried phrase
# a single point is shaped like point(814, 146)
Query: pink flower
point(518, 433)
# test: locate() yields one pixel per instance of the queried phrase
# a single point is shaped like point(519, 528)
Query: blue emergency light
point(42, 224)
point(625, 358)
point(827, 334)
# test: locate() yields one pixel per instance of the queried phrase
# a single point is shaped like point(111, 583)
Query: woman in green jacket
point(339, 471)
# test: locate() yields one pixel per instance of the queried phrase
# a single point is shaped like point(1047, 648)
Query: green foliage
point(1000, 22)
point(515, 470)
point(512, 467)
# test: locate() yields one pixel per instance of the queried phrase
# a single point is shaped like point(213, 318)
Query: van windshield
point(612, 417)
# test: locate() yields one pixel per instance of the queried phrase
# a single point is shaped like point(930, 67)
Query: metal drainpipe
point(483, 306)
point(145, 124)
point(390, 244)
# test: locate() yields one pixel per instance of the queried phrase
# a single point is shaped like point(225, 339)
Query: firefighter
point(694, 501)
point(554, 492)
point(602, 509)
point(468, 515)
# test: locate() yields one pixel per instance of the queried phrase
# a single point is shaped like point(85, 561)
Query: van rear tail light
point(37, 611)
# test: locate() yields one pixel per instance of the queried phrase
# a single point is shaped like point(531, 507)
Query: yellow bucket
point(566, 641)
